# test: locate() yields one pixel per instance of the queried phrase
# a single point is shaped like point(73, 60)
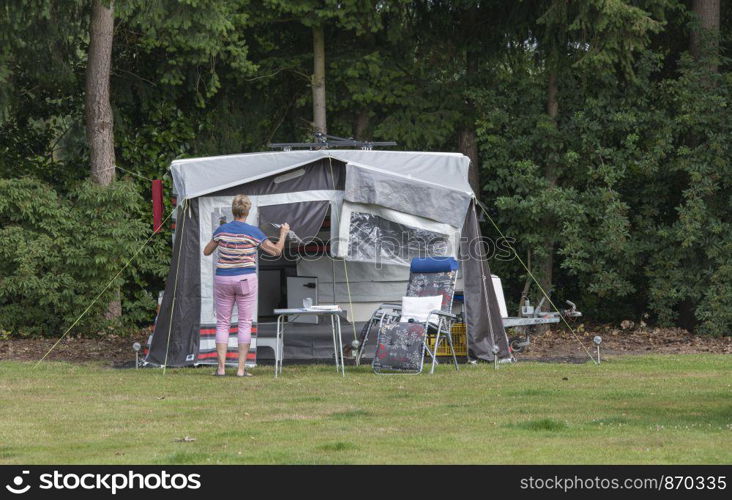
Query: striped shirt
point(238, 242)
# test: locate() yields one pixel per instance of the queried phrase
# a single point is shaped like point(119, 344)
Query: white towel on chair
point(418, 308)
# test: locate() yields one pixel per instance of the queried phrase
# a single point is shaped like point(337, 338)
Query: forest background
point(598, 130)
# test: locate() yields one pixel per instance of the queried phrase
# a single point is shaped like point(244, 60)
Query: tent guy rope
point(103, 290)
point(117, 167)
point(185, 208)
point(546, 295)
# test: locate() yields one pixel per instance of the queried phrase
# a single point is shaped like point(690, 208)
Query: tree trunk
point(687, 315)
point(705, 37)
point(545, 271)
point(704, 46)
point(552, 102)
point(468, 145)
point(99, 125)
point(467, 136)
point(527, 283)
point(318, 82)
point(361, 125)
point(114, 308)
point(545, 264)
point(99, 122)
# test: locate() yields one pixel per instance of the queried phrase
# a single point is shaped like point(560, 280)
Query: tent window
point(376, 239)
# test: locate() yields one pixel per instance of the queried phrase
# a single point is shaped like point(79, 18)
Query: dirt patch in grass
point(112, 349)
point(561, 345)
point(558, 345)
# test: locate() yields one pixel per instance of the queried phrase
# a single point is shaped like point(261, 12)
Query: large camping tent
point(366, 214)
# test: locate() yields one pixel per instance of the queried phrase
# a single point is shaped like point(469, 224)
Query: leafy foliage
point(57, 254)
point(625, 190)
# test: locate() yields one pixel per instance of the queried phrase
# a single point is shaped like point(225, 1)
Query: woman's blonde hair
point(240, 206)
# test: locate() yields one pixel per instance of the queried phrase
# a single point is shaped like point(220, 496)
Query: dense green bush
point(58, 253)
point(640, 211)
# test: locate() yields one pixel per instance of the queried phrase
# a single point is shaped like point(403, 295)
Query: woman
point(236, 278)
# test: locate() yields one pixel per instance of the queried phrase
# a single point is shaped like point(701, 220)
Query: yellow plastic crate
point(459, 342)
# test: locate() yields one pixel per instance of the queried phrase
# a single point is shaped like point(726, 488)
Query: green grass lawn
point(646, 410)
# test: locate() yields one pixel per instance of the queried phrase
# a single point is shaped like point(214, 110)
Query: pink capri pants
point(241, 289)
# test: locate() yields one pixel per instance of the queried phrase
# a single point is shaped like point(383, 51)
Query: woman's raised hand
point(284, 228)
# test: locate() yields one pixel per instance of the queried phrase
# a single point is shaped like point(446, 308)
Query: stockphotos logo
point(18, 485)
point(112, 483)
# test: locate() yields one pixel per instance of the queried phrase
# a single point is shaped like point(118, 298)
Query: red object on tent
point(157, 202)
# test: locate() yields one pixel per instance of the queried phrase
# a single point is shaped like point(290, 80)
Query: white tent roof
point(195, 177)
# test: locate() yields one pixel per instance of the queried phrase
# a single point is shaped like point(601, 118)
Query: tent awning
point(406, 194)
point(195, 177)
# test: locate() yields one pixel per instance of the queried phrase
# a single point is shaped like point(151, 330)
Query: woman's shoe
point(245, 374)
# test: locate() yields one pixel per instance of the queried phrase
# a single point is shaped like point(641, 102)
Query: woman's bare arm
point(276, 249)
point(210, 247)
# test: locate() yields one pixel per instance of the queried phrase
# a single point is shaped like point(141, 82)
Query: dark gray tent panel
point(304, 217)
point(175, 340)
point(482, 317)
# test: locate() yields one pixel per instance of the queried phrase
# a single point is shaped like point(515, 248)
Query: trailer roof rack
point(325, 141)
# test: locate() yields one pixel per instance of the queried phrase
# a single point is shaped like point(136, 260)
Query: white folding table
point(335, 327)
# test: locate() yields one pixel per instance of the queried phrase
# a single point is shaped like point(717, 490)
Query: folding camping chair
point(386, 308)
point(401, 346)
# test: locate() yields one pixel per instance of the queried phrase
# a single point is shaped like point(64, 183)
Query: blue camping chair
point(401, 346)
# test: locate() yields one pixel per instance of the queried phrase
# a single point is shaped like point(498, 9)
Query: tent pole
point(332, 212)
point(485, 289)
point(333, 277)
